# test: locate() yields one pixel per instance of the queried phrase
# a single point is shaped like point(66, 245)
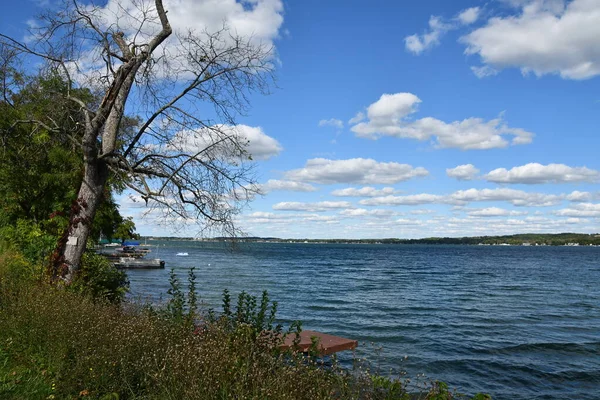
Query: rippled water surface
point(516, 322)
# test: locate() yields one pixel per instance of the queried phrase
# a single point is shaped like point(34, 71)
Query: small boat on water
point(125, 251)
point(134, 263)
point(182, 254)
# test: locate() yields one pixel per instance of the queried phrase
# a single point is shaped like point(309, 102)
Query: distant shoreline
point(528, 239)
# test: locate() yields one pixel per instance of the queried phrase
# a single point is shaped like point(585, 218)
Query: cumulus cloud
point(494, 212)
point(422, 211)
point(462, 197)
point(410, 200)
point(438, 27)
point(515, 197)
point(357, 118)
point(419, 43)
point(389, 116)
point(577, 196)
point(311, 207)
point(580, 210)
point(259, 20)
point(408, 221)
point(362, 212)
point(366, 191)
point(354, 170)
point(334, 122)
point(284, 219)
point(534, 173)
point(545, 37)
point(256, 143)
point(469, 16)
point(464, 172)
point(256, 21)
point(273, 185)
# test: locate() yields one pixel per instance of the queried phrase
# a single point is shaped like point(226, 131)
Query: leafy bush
point(57, 344)
point(15, 269)
point(29, 239)
point(100, 279)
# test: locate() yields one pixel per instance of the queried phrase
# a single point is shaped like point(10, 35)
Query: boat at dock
point(130, 256)
point(135, 263)
point(124, 251)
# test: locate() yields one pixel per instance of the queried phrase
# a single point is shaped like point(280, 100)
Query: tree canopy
point(41, 164)
point(183, 154)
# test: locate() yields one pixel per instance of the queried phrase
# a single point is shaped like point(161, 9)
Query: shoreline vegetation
point(72, 343)
point(525, 239)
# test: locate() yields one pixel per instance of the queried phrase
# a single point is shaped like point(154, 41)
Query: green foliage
point(439, 391)
point(40, 169)
point(29, 238)
point(99, 279)
point(109, 223)
point(41, 164)
point(176, 304)
point(59, 344)
point(387, 388)
point(16, 270)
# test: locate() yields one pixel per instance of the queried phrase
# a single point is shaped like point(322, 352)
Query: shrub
point(29, 238)
point(15, 269)
point(59, 344)
point(100, 279)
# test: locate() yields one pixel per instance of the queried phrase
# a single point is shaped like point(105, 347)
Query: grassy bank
point(62, 344)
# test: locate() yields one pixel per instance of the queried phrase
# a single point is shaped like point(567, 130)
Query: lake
point(515, 322)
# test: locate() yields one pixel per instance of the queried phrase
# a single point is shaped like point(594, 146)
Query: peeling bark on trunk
point(82, 215)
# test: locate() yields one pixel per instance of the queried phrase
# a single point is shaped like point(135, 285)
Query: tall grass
point(60, 344)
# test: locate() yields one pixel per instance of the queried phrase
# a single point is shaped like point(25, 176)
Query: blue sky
point(416, 119)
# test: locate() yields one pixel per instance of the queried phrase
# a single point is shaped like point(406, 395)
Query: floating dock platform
point(327, 344)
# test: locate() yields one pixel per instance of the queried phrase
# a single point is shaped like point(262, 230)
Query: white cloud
point(464, 172)
point(580, 210)
point(410, 200)
point(354, 170)
point(534, 173)
point(284, 219)
point(546, 37)
point(484, 71)
point(357, 118)
point(389, 116)
point(417, 44)
point(366, 191)
point(260, 146)
point(273, 185)
point(334, 122)
point(255, 142)
point(311, 207)
point(493, 212)
point(407, 221)
point(515, 197)
point(259, 20)
point(577, 196)
point(361, 212)
point(463, 197)
point(468, 16)
point(422, 211)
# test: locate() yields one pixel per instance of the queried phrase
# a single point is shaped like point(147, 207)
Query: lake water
point(515, 322)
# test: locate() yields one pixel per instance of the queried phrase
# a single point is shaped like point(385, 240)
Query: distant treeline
point(557, 239)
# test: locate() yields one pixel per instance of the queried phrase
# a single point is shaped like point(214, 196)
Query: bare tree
point(185, 158)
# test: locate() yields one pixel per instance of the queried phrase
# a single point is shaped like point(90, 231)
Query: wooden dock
point(327, 344)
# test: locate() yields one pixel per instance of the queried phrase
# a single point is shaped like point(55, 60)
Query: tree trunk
point(82, 215)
